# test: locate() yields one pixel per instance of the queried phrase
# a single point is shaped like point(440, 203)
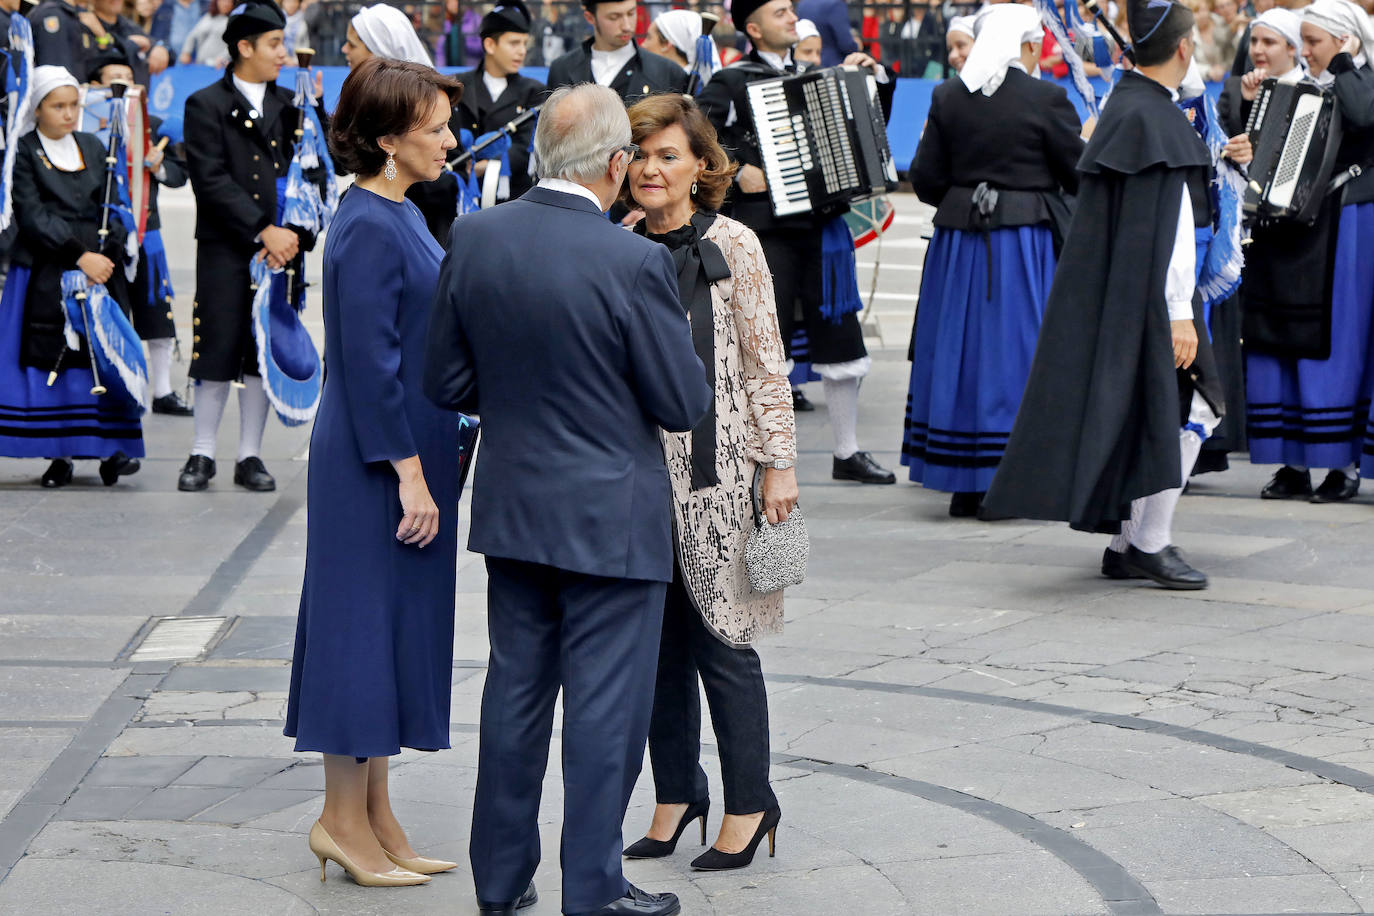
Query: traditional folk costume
point(58, 202)
point(997, 157)
point(631, 72)
point(811, 256)
point(1108, 428)
point(239, 147)
point(1309, 303)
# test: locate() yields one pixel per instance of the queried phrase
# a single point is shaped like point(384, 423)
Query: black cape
point(1099, 423)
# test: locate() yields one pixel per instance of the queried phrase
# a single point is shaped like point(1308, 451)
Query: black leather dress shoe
point(529, 898)
point(1167, 567)
point(1336, 488)
point(1288, 483)
point(800, 402)
point(965, 505)
point(640, 903)
point(860, 466)
point(173, 405)
point(252, 475)
point(116, 466)
point(1114, 565)
point(58, 474)
point(196, 474)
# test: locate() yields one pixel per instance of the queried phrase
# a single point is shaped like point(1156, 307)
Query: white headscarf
point(1283, 22)
point(806, 29)
point(44, 80)
point(1000, 32)
point(961, 24)
point(681, 29)
point(387, 32)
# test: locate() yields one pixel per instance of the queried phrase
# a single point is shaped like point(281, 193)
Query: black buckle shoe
point(173, 405)
point(861, 467)
point(1167, 567)
point(1114, 565)
point(252, 475)
point(116, 466)
point(196, 474)
point(1288, 483)
point(58, 474)
point(529, 898)
point(640, 903)
point(1336, 488)
point(800, 402)
point(965, 505)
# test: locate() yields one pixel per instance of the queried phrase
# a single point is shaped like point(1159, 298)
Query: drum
point(869, 219)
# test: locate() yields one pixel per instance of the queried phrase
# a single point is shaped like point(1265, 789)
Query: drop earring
point(694, 188)
point(390, 170)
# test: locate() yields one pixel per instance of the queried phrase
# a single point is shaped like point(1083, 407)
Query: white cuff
point(1180, 309)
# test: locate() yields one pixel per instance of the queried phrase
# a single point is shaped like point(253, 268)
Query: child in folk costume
point(997, 155)
point(59, 188)
point(150, 292)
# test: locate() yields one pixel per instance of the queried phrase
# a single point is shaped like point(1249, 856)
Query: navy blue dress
point(374, 641)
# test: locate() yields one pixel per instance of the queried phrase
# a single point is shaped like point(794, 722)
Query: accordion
point(1295, 130)
point(822, 139)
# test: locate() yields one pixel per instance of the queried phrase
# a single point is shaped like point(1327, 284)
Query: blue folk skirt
point(66, 420)
point(1313, 412)
point(976, 329)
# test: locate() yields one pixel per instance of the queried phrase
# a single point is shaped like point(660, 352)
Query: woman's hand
point(779, 494)
point(419, 515)
point(96, 267)
point(1250, 83)
point(1239, 150)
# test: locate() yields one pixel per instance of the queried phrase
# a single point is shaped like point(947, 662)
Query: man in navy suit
point(574, 363)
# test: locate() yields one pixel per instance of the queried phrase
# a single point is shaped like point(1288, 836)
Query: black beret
point(507, 16)
point(741, 10)
point(111, 54)
point(253, 18)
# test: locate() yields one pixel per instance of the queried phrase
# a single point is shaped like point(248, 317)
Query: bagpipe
point(112, 344)
point(19, 96)
point(493, 146)
point(290, 366)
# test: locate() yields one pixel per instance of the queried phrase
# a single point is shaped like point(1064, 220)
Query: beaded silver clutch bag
point(775, 555)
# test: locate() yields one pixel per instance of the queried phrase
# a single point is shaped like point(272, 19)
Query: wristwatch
point(781, 464)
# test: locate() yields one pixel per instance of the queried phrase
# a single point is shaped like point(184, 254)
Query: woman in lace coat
point(679, 177)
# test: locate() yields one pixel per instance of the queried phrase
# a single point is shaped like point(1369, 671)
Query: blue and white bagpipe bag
point(1063, 28)
point(1220, 265)
point(19, 90)
point(290, 366)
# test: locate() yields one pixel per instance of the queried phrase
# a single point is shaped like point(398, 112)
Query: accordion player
point(822, 139)
point(1295, 129)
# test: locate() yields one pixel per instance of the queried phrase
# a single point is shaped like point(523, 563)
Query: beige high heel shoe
point(420, 864)
point(324, 847)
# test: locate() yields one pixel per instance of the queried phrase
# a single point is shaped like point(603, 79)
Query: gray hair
point(579, 128)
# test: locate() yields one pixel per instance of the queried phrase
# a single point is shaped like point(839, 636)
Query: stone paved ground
point(966, 718)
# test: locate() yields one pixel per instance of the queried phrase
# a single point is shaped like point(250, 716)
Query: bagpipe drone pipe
point(18, 94)
point(118, 367)
point(290, 366)
point(494, 147)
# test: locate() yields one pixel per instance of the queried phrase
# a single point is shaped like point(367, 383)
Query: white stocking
point(252, 416)
point(210, 400)
point(160, 366)
point(842, 404)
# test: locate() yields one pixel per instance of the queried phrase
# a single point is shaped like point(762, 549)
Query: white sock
point(1123, 540)
point(1155, 531)
point(842, 405)
point(1351, 471)
point(160, 365)
point(252, 416)
point(210, 400)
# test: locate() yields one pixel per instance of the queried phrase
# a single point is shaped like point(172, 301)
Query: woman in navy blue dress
point(374, 642)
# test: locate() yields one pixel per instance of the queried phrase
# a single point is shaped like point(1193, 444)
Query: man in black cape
point(1123, 388)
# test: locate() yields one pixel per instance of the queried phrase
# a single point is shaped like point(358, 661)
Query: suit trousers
point(733, 680)
point(596, 638)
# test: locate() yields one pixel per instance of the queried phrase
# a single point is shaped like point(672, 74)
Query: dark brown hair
point(655, 113)
point(382, 97)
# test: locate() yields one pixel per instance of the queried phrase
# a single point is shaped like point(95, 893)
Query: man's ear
point(752, 29)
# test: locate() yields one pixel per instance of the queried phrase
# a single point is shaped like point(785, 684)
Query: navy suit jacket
point(567, 336)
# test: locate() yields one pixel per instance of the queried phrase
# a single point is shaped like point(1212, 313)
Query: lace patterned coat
point(754, 424)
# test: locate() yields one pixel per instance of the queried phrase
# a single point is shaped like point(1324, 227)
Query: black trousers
point(735, 692)
point(597, 639)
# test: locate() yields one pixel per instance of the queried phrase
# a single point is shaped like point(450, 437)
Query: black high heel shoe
point(715, 860)
point(657, 849)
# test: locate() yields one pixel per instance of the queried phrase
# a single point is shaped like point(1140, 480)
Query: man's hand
point(159, 59)
point(319, 84)
point(142, 41)
point(153, 161)
point(1239, 150)
point(92, 22)
point(1250, 83)
point(96, 267)
point(860, 59)
point(280, 245)
point(752, 180)
point(631, 218)
point(1185, 342)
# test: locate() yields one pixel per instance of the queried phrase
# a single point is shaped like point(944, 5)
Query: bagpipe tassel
point(158, 270)
point(1220, 273)
point(469, 194)
point(115, 345)
point(20, 108)
point(288, 362)
point(840, 279)
point(1060, 27)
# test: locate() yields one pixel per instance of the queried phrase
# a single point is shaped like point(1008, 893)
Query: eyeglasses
point(629, 149)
